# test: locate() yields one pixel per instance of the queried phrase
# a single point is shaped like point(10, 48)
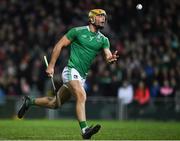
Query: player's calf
point(48, 102)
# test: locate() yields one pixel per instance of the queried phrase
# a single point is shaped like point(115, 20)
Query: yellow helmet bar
point(95, 12)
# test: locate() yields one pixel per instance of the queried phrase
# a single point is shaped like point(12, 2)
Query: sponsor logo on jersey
point(91, 38)
point(84, 36)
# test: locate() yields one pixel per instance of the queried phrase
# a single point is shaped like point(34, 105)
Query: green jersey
point(85, 45)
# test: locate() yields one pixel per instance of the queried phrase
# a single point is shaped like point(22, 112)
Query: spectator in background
point(166, 90)
point(154, 90)
point(141, 98)
point(142, 94)
point(96, 90)
point(125, 97)
point(2, 96)
point(125, 93)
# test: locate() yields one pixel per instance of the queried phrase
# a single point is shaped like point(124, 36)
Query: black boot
point(91, 131)
point(24, 107)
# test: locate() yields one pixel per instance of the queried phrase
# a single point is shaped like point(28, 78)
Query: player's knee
point(81, 97)
point(80, 94)
point(54, 105)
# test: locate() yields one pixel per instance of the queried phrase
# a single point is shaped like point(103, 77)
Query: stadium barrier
point(100, 108)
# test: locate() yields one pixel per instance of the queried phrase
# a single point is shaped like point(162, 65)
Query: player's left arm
point(110, 57)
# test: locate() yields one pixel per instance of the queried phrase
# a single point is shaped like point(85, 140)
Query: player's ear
point(92, 20)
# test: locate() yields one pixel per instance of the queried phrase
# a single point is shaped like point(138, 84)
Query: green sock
point(31, 101)
point(83, 124)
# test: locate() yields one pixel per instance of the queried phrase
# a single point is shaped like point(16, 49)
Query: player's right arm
point(63, 42)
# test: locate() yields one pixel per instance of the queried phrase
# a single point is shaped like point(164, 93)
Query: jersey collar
point(91, 31)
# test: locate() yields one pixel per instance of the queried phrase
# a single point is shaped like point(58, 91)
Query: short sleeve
point(71, 34)
point(106, 43)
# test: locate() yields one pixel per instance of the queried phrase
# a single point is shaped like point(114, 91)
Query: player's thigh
point(77, 89)
point(64, 94)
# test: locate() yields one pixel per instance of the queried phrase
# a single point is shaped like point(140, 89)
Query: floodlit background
point(143, 84)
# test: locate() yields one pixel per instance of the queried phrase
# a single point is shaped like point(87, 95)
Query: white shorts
point(69, 74)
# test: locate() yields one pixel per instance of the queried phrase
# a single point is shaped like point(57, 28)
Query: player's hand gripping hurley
point(51, 76)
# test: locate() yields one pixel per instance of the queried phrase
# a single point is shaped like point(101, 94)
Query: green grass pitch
point(69, 130)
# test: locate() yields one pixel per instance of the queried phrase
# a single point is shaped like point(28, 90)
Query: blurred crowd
point(147, 41)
